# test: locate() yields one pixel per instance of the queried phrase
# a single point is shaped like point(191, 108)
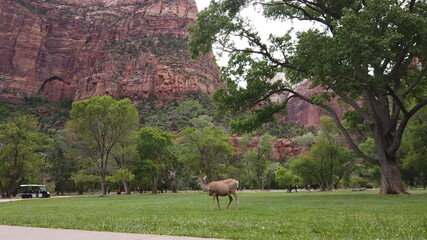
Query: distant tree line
point(103, 147)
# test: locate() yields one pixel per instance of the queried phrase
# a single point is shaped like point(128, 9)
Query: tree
point(257, 159)
point(85, 182)
point(98, 125)
point(20, 152)
point(204, 150)
point(369, 55)
point(157, 159)
point(243, 145)
point(327, 157)
point(124, 176)
point(286, 177)
point(414, 152)
point(125, 155)
point(305, 167)
point(60, 164)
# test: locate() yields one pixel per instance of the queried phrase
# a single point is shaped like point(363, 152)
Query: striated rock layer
point(81, 48)
point(305, 113)
point(283, 148)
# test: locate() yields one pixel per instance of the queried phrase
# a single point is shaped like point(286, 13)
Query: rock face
point(305, 113)
point(283, 148)
point(81, 48)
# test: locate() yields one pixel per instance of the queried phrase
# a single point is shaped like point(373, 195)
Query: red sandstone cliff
point(80, 48)
point(305, 113)
point(283, 148)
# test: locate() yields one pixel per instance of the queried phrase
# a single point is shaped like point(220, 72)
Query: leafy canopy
point(367, 54)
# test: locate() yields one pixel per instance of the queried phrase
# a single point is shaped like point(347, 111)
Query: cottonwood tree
point(205, 149)
point(327, 161)
point(368, 54)
point(21, 146)
point(414, 151)
point(125, 155)
point(97, 125)
point(286, 178)
point(60, 165)
point(156, 155)
point(122, 175)
point(257, 159)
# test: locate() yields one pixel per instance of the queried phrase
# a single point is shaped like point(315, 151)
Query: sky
point(264, 26)
point(202, 4)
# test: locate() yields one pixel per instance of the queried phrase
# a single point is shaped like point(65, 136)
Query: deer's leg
point(217, 199)
point(213, 201)
point(231, 199)
point(237, 200)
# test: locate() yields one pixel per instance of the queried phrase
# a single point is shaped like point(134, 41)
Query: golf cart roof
point(32, 185)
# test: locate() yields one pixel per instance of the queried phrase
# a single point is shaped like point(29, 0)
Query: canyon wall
point(305, 113)
point(81, 48)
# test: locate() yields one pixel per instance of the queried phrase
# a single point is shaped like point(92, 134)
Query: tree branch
point(397, 100)
point(356, 106)
point(322, 7)
point(399, 133)
point(339, 125)
point(411, 6)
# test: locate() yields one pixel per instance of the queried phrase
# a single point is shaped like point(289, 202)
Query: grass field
point(262, 215)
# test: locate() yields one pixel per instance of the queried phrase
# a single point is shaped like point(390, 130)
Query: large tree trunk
point(126, 184)
point(384, 131)
point(103, 188)
point(154, 188)
point(11, 187)
point(391, 179)
point(174, 186)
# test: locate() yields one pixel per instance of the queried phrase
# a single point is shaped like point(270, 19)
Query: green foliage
point(165, 47)
point(157, 159)
point(281, 129)
point(358, 182)
point(21, 146)
point(306, 139)
point(97, 125)
point(61, 165)
point(204, 150)
point(414, 152)
point(368, 55)
point(54, 116)
point(85, 182)
point(257, 161)
point(121, 174)
point(169, 115)
point(286, 177)
point(328, 162)
point(307, 168)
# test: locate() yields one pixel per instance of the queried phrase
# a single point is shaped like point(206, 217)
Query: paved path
point(10, 199)
point(31, 233)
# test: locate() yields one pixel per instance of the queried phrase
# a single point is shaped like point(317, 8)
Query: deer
point(226, 187)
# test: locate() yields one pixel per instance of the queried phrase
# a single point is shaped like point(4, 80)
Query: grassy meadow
point(262, 215)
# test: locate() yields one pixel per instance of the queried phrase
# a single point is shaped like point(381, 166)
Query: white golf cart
point(33, 191)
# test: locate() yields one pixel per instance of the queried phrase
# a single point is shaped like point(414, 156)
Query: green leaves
point(154, 144)
point(121, 174)
point(103, 120)
point(21, 146)
point(205, 149)
point(156, 155)
point(97, 126)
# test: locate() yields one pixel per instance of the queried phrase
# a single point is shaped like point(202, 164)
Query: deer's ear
point(205, 179)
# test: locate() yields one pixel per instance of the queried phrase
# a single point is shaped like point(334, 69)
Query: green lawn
point(267, 215)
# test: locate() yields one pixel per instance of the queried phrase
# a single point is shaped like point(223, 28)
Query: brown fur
point(226, 187)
